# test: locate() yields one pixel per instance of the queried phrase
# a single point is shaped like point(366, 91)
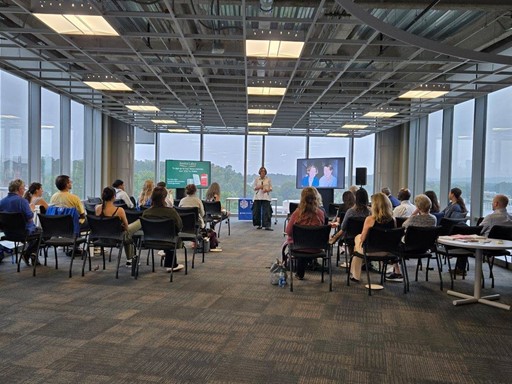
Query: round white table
point(479, 246)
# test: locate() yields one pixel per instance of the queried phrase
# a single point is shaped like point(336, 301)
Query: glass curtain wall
point(364, 156)
point(462, 149)
point(434, 141)
point(50, 140)
point(77, 149)
point(13, 130)
point(498, 171)
point(144, 161)
point(254, 161)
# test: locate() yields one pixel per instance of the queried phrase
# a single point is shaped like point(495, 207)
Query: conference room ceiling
point(188, 58)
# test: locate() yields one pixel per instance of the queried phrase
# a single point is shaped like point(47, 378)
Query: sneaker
point(34, 259)
point(177, 268)
point(215, 249)
point(269, 229)
point(25, 258)
point(395, 277)
point(161, 253)
point(352, 278)
point(259, 227)
point(129, 263)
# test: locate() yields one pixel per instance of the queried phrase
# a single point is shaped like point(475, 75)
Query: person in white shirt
point(405, 209)
point(499, 215)
point(121, 194)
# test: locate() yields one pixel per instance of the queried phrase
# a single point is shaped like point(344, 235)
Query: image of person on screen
point(262, 209)
point(311, 179)
point(328, 179)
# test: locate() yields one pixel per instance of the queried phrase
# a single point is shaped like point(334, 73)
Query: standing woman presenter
point(262, 209)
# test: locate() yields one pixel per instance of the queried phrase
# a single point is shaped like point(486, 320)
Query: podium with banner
point(245, 209)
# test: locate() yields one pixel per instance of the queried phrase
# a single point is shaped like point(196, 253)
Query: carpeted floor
point(225, 323)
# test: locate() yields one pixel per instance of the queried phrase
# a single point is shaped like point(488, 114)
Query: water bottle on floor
point(282, 280)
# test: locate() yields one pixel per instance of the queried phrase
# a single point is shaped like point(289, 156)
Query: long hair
point(107, 194)
point(458, 195)
point(213, 189)
point(435, 203)
point(308, 204)
point(349, 199)
point(147, 190)
point(382, 211)
point(31, 190)
point(362, 202)
point(158, 196)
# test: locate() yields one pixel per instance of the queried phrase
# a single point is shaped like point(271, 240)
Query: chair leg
point(438, 260)
point(173, 264)
point(405, 273)
point(329, 269)
point(137, 261)
point(291, 259)
point(118, 260)
point(490, 262)
point(186, 260)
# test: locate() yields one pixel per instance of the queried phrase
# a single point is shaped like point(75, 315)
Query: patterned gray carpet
point(225, 323)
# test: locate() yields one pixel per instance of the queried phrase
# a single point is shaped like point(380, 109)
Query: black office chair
point(291, 208)
point(332, 211)
point(158, 234)
point(120, 203)
point(59, 231)
point(420, 243)
point(190, 232)
point(106, 232)
point(399, 221)
point(354, 228)
point(307, 238)
point(13, 225)
point(502, 232)
point(380, 245)
point(214, 214)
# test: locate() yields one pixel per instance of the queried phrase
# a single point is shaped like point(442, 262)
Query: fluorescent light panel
point(77, 24)
point(108, 85)
point(355, 126)
point(9, 117)
point(380, 114)
point(163, 121)
point(274, 49)
point(258, 133)
point(337, 134)
point(252, 111)
point(178, 130)
point(143, 108)
point(266, 91)
point(422, 94)
point(260, 124)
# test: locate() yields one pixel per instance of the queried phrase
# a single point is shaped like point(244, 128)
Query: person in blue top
point(311, 179)
point(394, 201)
point(14, 202)
point(456, 208)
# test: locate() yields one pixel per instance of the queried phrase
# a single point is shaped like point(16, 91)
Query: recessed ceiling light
point(502, 129)
point(260, 124)
point(266, 91)
point(178, 130)
point(355, 126)
point(164, 121)
point(108, 85)
point(380, 114)
point(9, 117)
point(258, 133)
point(252, 111)
point(77, 24)
point(426, 91)
point(143, 108)
point(337, 134)
point(276, 49)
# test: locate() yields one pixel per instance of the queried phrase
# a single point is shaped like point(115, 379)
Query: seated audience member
point(394, 201)
point(159, 210)
point(405, 209)
point(121, 194)
point(144, 199)
point(64, 198)
point(307, 213)
point(456, 207)
point(320, 203)
point(34, 196)
point(169, 200)
point(360, 209)
point(328, 179)
point(191, 200)
point(14, 202)
point(108, 209)
point(311, 178)
point(349, 200)
point(435, 202)
point(213, 194)
point(381, 217)
point(421, 217)
point(353, 189)
point(499, 216)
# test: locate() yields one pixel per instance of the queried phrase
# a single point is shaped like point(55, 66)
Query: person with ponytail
point(456, 208)
point(34, 196)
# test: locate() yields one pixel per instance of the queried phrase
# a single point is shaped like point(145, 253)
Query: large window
point(77, 149)
point(13, 130)
point(462, 149)
point(226, 153)
point(498, 172)
point(364, 157)
point(144, 161)
point(281, 154)
point(434, 141)
point(50, 140)
point(254, 156)
point(331, 147)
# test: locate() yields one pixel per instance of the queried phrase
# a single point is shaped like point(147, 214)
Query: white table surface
point(478, 244)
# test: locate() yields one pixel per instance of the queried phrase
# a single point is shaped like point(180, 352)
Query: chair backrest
point(94, 200)
point(463, 229)
point(212, 208)
point(383, 239)
point(61, 211)
point(134, 202)
point(90, 208)
point(132, 215)
point(503, 232)
point(400, 221)
point(176, 202)
point(185, 210)
point(420, 239)
point(311, 236)
point(57, 225)
point(292, 207)
point(120, 203)
point(354, 226)
point(447, 224)
point(332, 210)
point(105, 227)
point(158, 230)
point(189, 223)
point(13, 224)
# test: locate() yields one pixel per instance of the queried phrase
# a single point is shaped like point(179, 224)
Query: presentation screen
point(326, 172)
point(179, 173)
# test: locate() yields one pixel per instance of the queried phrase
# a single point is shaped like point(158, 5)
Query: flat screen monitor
point(180, 173)
point(322, 173)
